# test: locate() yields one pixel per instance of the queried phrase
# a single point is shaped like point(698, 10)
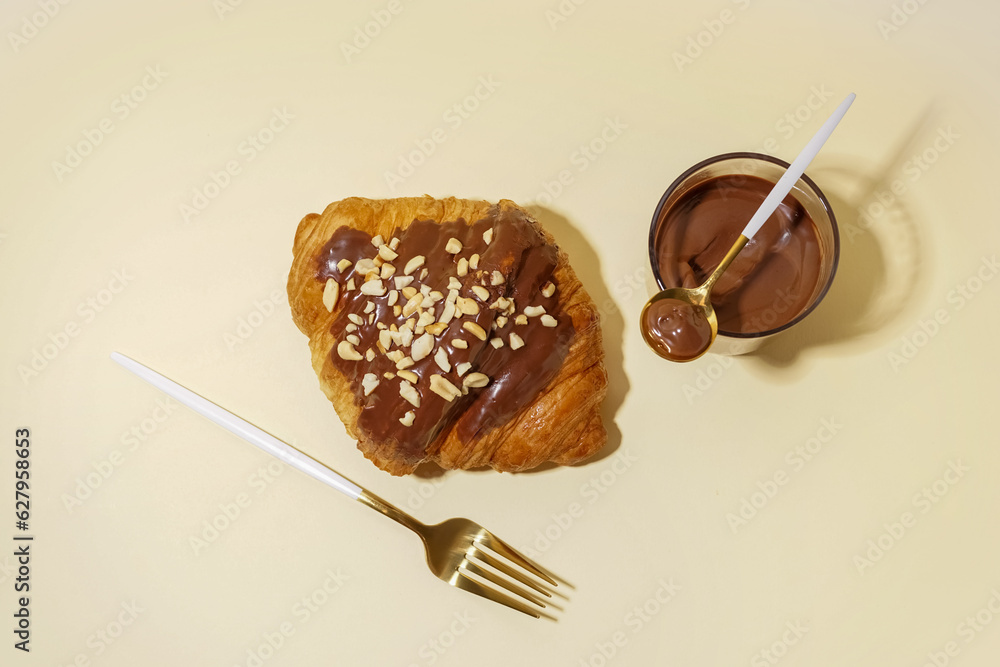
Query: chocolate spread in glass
point(519, 252)
point(772, 280)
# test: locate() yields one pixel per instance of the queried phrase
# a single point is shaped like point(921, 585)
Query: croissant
point(449, 330)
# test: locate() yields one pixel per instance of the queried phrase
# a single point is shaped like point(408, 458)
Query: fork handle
point(242, 428)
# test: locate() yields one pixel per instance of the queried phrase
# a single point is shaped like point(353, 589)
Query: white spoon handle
point(242, 428)
point(796, 169)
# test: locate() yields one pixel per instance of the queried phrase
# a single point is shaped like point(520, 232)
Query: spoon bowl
point(679, 323)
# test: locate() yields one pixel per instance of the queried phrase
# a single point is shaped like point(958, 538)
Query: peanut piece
point(474, 329)
point(347, 351)
point(373, 288)
point(422, 347)
point(441, 359)
point(408, 392)
point(414, 264)
point(441, 386)
point(475, 380)
point(331, 293)
point(369, 382)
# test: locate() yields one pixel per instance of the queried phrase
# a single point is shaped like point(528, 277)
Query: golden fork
point(459, 552)
point(457, 548)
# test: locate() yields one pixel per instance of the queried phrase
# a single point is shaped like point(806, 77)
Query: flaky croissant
point(449, 330)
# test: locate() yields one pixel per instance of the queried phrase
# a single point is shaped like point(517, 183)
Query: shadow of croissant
point(587, 266)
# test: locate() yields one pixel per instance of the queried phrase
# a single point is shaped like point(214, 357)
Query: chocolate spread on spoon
point(678, 330)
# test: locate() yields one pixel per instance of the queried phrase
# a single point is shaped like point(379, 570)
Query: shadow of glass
point(881, 268)
point(873, 285)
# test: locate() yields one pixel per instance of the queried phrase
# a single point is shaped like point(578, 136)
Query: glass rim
point(654, 260)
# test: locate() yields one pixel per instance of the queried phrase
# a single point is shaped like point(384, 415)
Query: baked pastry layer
point(452, 330)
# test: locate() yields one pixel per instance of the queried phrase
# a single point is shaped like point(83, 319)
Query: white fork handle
point(242, 428)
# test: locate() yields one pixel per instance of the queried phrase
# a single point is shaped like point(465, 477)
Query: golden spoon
point(679, 323)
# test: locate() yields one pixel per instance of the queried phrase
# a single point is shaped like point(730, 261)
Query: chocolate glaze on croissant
point(449, 330)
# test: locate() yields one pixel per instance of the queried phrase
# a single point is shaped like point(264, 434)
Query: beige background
point(198, 304)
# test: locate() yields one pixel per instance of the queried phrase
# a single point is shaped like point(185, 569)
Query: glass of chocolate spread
point(781, 275)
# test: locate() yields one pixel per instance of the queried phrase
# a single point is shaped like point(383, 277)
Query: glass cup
point(805, 191)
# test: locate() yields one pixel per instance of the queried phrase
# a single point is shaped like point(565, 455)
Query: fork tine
point(500, 564)
point(475, 568)
point(461, 580)
point(498, 546)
